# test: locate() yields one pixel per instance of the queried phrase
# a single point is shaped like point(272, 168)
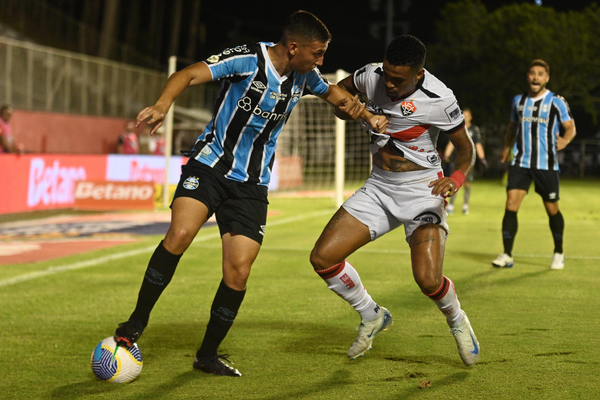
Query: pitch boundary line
point(117, 256)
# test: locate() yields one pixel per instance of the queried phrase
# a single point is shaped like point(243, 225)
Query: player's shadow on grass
point(93, 387)
point(324, 389)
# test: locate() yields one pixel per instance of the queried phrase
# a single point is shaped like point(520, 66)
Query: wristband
point(458, 177)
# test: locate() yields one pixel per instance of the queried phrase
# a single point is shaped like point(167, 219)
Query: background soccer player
point(536, 120)
point(229, 170)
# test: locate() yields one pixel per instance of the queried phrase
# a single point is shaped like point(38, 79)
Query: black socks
point(159, 273)
point(224, 309)
point(509, 230)
point(557, 226)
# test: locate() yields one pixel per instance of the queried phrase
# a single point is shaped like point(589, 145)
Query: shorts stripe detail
point(332, 271)
point(442, 291)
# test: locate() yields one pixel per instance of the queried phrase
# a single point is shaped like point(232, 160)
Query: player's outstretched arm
point(344, 97)
point(195, 74)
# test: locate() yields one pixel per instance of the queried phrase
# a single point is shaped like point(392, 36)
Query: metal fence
point(40, 78)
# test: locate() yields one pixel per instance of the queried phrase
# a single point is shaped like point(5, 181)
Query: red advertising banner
point(102, 195)
point(44, 182)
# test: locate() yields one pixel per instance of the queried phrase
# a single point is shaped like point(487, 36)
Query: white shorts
point(391, 199)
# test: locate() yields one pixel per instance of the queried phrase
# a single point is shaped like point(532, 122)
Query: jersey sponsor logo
point(536, 120)
point(453, 111)
point(258, 86)
point(191, 183)
point(407, 108)
point(245, 104)
point(278, 96)
point(433, 158)
point(428, 216)
point(217, 57)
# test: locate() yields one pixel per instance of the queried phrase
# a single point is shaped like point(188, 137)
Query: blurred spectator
point(7, 141)
point(128, 141)
point(159, 142)
point(145, 141)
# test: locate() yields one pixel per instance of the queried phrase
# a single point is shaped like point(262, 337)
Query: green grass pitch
point(538, 328)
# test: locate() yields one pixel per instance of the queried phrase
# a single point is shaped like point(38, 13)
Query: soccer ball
point(125, 366)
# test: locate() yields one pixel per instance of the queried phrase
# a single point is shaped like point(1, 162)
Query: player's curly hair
point(305, 25)
point(406, 50)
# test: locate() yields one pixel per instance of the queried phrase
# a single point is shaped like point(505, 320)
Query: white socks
point(343, 279)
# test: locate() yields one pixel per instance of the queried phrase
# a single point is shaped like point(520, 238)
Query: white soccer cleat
point(367, 332)
point(468, 346)
point(503, 261)
point(466, 210)
point(558, 261)
point(450, 209)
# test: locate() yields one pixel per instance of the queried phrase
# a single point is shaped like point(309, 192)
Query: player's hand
point(561, 143)
point(379, 123)
point(484, 163)
point(350, 108)
point(444, 187)
point(152, 116)
point(505, 154)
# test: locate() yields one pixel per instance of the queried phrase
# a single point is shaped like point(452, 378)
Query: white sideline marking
point(117, 256)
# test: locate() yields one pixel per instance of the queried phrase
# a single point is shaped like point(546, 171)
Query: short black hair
point(304, 25)
point(5, 107)
point(406, 50)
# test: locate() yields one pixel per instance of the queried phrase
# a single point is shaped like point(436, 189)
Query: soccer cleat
point(450, 209)
point(503, 261)
point(468, 346)
point(367, 332)
point(558, 261)
point(466, 210)
point(129, 332)
point(215, 365)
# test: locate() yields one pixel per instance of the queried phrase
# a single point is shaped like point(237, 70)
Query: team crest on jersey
point(296, 93)
point(191, 183)
point(408, 108)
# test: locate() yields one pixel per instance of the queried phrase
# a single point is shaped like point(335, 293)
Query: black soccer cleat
point(215, 365)
point(129, 332)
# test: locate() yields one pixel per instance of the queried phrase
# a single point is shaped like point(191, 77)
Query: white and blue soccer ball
point(123, 366)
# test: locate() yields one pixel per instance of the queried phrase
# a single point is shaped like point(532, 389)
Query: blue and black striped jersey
point(538, 122)
point(253, 105)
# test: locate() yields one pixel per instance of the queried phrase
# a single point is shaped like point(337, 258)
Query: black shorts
point(546, 182)
point(239, 207)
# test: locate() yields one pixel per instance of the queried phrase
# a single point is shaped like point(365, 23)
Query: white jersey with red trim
point(415, 122)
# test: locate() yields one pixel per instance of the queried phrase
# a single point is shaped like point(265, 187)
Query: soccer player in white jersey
point(406, 187)
point(537, 117)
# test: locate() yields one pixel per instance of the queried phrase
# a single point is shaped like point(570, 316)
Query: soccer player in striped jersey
point(406, 187)
point(534, 133)
point(229, 169)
